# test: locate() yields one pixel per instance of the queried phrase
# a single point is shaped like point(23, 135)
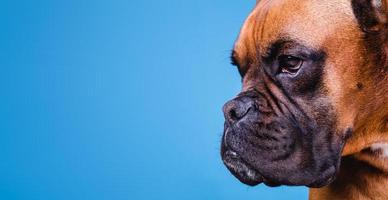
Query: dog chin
point(248, 175)
point(241, 170)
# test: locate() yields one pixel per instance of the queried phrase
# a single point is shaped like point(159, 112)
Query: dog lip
point(241, 170)
point(225, 134)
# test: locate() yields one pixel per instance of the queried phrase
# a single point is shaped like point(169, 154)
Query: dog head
point(307, 70)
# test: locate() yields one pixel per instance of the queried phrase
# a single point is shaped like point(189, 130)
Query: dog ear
point(372, 15)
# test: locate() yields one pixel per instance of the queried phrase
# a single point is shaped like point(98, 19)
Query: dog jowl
point(301, 91)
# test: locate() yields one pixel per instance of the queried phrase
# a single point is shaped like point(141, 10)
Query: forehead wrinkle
point(309, 22)
point(267, 21)
point(328, 19)
point(244, 41)
point(248, 43)
point(273, 17)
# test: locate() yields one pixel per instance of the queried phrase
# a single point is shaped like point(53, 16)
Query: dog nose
point(236, 109)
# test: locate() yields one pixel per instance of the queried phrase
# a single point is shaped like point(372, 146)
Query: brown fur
point(356, 84)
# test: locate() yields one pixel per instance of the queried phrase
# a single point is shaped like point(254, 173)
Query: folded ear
point(372, 15)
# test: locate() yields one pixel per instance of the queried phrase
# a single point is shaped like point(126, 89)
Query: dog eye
point(289, 64)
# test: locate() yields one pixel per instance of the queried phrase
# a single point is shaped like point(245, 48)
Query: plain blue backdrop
point(119, 100)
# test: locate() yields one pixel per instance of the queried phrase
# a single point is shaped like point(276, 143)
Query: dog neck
point(364, 168)
point(371, 122)
point(357, 180)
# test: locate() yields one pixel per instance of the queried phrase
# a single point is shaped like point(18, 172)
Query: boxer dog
point(313, 109)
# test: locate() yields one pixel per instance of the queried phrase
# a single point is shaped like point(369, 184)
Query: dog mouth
point(238, 167)
point(241, 170)
point(256, 171)
point(250, 176)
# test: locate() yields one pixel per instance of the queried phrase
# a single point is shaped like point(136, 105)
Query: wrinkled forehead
point(309, 22)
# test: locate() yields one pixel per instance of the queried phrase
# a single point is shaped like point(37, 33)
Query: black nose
point(236, 109)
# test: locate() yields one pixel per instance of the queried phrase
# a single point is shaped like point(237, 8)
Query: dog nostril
point(233, 114)
point(235, 110)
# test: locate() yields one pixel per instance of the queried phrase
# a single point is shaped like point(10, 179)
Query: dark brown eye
point(289, 64)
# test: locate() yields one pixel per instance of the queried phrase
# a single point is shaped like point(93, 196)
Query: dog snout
point(236, 109)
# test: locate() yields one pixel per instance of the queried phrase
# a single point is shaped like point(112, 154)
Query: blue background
point(119, 100)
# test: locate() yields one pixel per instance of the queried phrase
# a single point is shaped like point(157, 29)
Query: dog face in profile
point(306, 89)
